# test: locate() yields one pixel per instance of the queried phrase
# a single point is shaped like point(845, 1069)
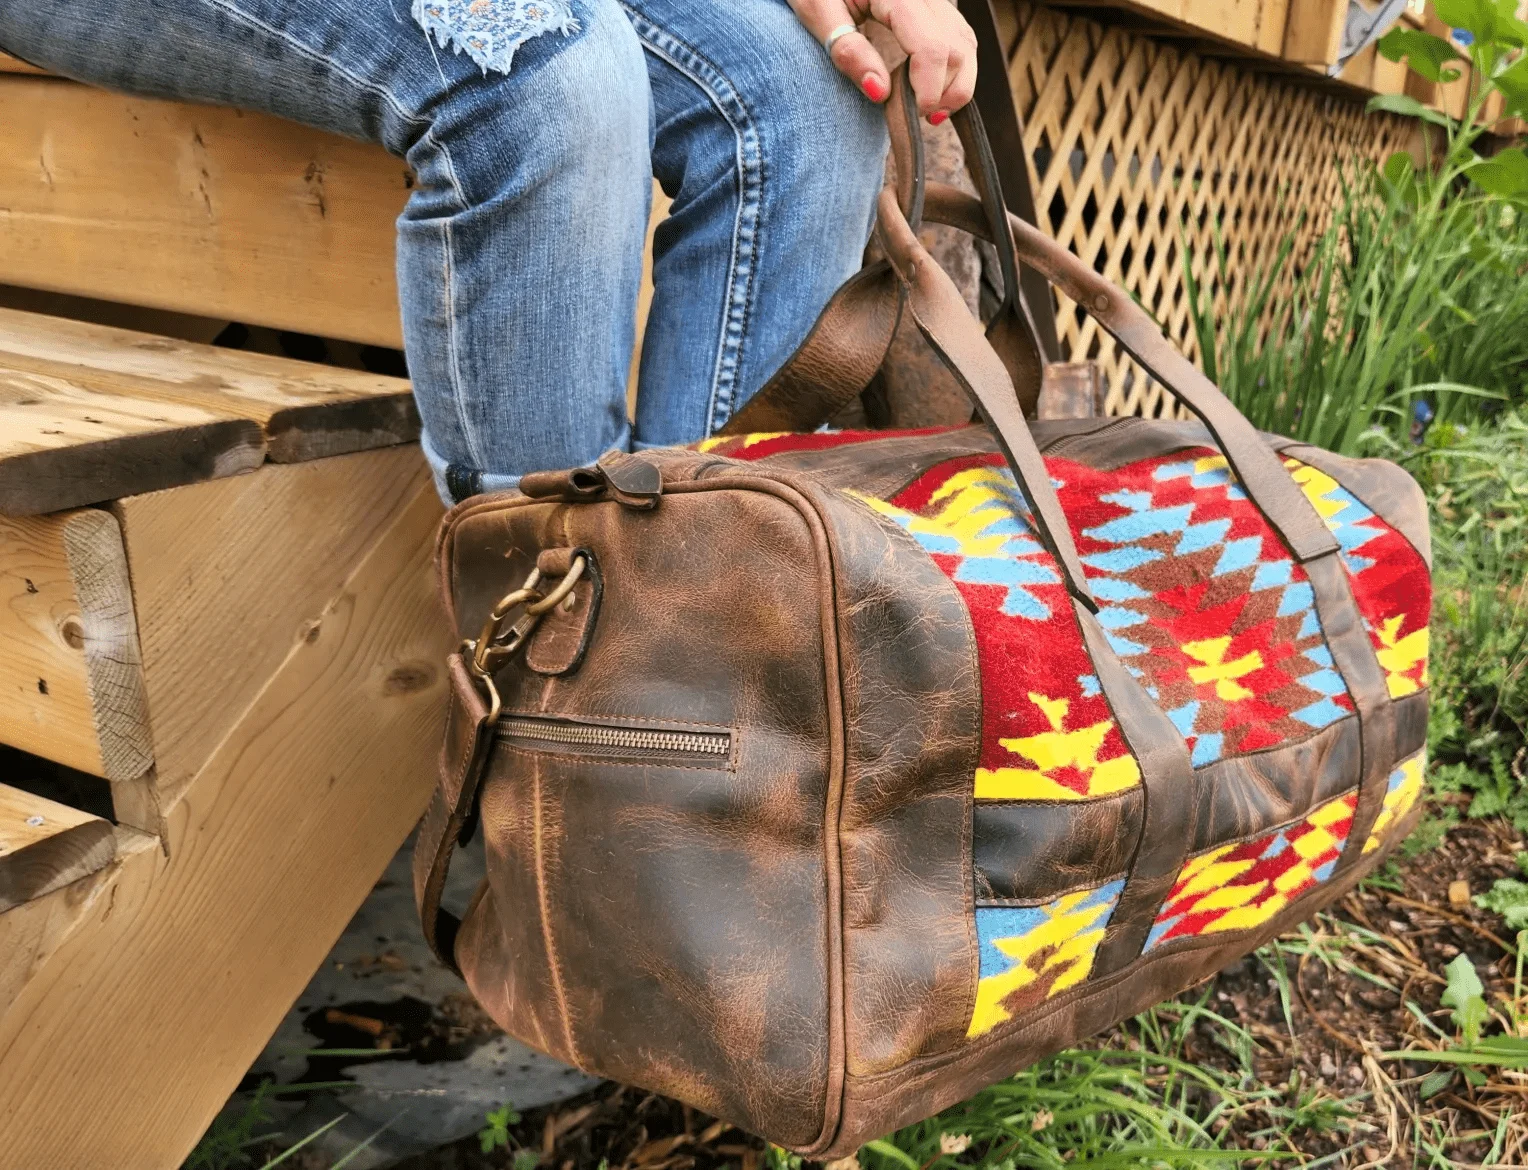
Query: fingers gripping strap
point(1256, 465)
point(952, 332)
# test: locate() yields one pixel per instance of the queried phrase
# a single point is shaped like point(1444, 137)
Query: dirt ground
point(1344, 983)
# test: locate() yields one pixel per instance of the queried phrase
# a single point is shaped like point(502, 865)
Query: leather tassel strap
point(464, 755)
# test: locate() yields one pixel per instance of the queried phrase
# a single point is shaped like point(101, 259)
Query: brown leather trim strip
point(1030, 852)
point(799, 498)
point(1243, 796)
point(1167, 779)
point(1353, 656)
point(1378, 485)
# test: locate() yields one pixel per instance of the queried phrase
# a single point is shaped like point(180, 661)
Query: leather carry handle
point(1257, 467)
point(941, 315)
point(850, 340)
point(1000, 119)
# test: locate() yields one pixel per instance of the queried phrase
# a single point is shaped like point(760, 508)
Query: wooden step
point(71, 685)
point(89, 413)
point(217, 212)
point(45, 845)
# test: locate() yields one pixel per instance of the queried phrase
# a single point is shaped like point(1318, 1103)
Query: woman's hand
point(936, 37)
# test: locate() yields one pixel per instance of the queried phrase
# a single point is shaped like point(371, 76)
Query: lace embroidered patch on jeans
point(489, 31)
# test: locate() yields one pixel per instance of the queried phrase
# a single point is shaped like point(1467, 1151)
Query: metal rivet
point(36, 821)
point(1101, 302)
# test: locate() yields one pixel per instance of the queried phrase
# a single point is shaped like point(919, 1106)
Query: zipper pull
point(632, 482)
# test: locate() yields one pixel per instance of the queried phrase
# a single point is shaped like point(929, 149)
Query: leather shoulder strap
point(463, 757)
point(994, 100)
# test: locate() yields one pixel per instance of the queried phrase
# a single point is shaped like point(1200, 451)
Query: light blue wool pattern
point(489, 31)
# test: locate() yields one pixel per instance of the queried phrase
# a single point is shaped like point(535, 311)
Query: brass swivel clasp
point(501, 638)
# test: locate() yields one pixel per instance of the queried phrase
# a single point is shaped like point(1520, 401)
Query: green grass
point(1144, 1104)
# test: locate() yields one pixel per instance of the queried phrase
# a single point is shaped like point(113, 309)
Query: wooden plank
point(30, 933)
point(9, 64)
point(45, 846)
point(229, 576)
point(45, 704)
point(1272, 25)
point(154, 1007)
point(71, 687)
point(1313, 34)
point(109, 634)
point(90, 413)
point(216, 212)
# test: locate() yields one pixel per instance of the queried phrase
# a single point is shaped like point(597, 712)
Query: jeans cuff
point(455, 482)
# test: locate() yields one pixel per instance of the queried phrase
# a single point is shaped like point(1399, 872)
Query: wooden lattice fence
point(1135, 145)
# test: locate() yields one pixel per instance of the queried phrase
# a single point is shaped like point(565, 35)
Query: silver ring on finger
point(837, 35)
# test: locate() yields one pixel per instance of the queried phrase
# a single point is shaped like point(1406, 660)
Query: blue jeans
point(533, 128)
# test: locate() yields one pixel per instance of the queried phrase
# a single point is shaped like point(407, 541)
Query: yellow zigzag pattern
point(1054, 749)
point(1404, 789)
point(1072, 931)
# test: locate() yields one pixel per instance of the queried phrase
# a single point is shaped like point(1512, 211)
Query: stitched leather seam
point(554, 964)
point(1091, 883)
point(658, 724)
point(798, 494)
point(1277, 828)
point(608, 761)
point(1052, 802)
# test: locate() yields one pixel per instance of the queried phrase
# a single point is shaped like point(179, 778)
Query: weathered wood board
point(90, 413)
point(45, 846)
point(262, 552)
point(70, 682)
point(195, 209)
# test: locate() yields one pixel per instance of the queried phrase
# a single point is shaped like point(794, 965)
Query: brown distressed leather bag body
point(828, 777)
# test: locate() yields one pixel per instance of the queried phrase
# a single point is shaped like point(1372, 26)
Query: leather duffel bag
point(828, 777)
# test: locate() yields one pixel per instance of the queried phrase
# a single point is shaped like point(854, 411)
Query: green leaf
point(1476, 16)
point(1504, 174)
point(1493, 21)
point(1513, 83)
point(1406, 106)
point(1466, 995)
point(1426, 54)
point(887, 1150)
point(1435, 1082)
point(1509, 898)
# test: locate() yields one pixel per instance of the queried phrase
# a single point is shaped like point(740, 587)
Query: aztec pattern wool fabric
point(1207, 609)
point(1241, 886)
point(1030, 953)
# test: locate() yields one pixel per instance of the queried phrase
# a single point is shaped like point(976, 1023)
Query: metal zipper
point(601, 739)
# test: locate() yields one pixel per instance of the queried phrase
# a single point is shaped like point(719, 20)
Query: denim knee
point(520, 252)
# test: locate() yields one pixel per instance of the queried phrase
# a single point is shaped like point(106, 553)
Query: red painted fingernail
point(937, 118)
point(874, 87)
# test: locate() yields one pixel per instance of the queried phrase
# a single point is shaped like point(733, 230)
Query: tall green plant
point(1499, 65)
point(1385, 300)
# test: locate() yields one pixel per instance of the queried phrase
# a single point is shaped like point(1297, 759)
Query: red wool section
point(1019, 656)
